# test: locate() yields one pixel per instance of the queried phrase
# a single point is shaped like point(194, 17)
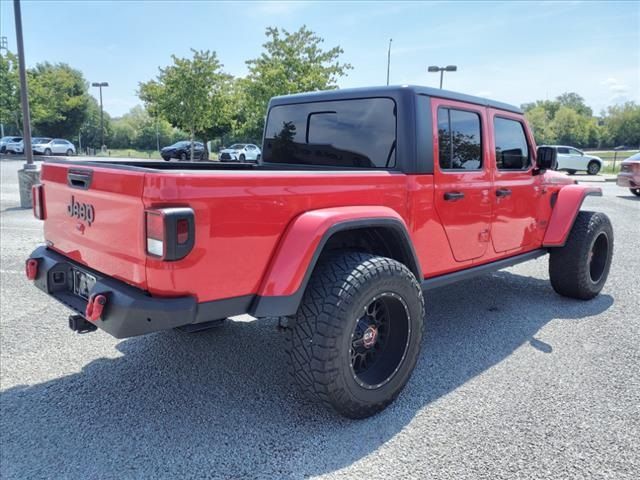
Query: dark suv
point(182, 151)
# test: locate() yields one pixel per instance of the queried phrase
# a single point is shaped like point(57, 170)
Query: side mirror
point(546, 158)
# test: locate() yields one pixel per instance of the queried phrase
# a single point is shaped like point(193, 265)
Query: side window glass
point(512, 150)
point(564, 151)
point(459, 140)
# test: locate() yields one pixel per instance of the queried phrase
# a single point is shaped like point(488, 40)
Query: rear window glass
point(347, 133)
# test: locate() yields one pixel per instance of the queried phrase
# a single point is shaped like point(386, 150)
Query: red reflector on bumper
point(95, 307)
point(31, 268)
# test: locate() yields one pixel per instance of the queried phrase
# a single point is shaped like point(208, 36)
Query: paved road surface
point(514, 382)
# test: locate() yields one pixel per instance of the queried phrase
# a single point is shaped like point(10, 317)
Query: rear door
point(95, 216)
point(516, 190)
point(463, 177)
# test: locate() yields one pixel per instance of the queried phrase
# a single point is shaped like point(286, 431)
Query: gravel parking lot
point(513, 382)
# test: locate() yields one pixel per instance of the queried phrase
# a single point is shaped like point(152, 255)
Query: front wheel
point(580, 268)
point(183, 157)
point(635, 191)
point(69, 153)
point(47, 152)
point(356, 337)
point(593, 168)
point(571, 172)
point(242, 158)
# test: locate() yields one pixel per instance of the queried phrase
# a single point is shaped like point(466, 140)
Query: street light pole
point(24, 96)
point(448, 68)
point(29, 175)
point(100, 85)
point(4, 45)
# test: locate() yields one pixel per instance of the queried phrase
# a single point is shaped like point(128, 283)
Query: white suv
point(571, 160)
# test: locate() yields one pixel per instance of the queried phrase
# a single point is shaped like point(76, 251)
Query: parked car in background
point(4, 141)
point(629, 175)
point(240, 152)
point(16, 147)
point(572, 160)
point(182, 151)
point(52, 146)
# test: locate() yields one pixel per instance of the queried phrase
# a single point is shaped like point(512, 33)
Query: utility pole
point(389, 59)
point(29, 175)
point(103, 147)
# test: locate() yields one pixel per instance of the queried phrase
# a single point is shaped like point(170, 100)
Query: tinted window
point(512, 151)
point(575, 152)
point(563, 150)
point(348, 133)
point(459, 140)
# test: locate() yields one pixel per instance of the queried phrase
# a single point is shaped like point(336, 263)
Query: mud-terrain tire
point(580, 268)
point(356, 337)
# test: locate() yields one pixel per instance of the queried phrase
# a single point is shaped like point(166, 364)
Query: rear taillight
point(37, 201)
point(31, 268)
point(170, 232)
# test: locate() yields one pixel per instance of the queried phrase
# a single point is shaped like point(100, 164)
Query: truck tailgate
point(95, 216)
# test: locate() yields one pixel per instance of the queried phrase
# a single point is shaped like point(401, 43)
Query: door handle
point(503, 192)
point(453, 196)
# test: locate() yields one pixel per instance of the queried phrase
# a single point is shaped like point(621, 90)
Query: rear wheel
point(356, 337)
point(635, 191)
point(593, 168)
point(580, 268)
point(571, 172)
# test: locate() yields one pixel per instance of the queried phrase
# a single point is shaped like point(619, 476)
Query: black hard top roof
point(391, 90)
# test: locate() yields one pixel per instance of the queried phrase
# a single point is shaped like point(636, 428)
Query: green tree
point(622, 125)
point(10, 93)
point(575, 102)
point(291, 62)
point(540, 122)
point(189, 94)
point(58, 100)
point(90, 133)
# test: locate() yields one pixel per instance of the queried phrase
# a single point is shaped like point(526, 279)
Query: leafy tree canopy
point(58, 99)
point(291, 62)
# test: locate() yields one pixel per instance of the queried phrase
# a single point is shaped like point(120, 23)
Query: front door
point(463, 177)
point(516, 190)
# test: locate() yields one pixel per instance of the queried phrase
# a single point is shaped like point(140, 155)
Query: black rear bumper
point(129, 311)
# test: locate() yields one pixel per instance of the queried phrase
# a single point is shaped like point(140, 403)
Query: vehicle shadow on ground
point(218, 403)
point(629, 197)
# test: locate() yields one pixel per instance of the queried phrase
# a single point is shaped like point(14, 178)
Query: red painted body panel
point(241, 217)
point(467, 222)
point(113, 243)
point(568, 204)
point(514, 223)
point(303, 237)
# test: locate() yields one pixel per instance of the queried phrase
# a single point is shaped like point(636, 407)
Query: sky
point(514, 52)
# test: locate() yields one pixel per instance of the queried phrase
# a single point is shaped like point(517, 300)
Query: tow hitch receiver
point(77, 323)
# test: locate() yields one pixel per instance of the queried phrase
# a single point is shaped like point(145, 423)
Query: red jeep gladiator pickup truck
point(363, 199)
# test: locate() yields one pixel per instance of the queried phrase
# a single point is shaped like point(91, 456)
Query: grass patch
point(130, 153)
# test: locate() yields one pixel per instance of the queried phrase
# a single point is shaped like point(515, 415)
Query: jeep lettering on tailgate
point(82, 211)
